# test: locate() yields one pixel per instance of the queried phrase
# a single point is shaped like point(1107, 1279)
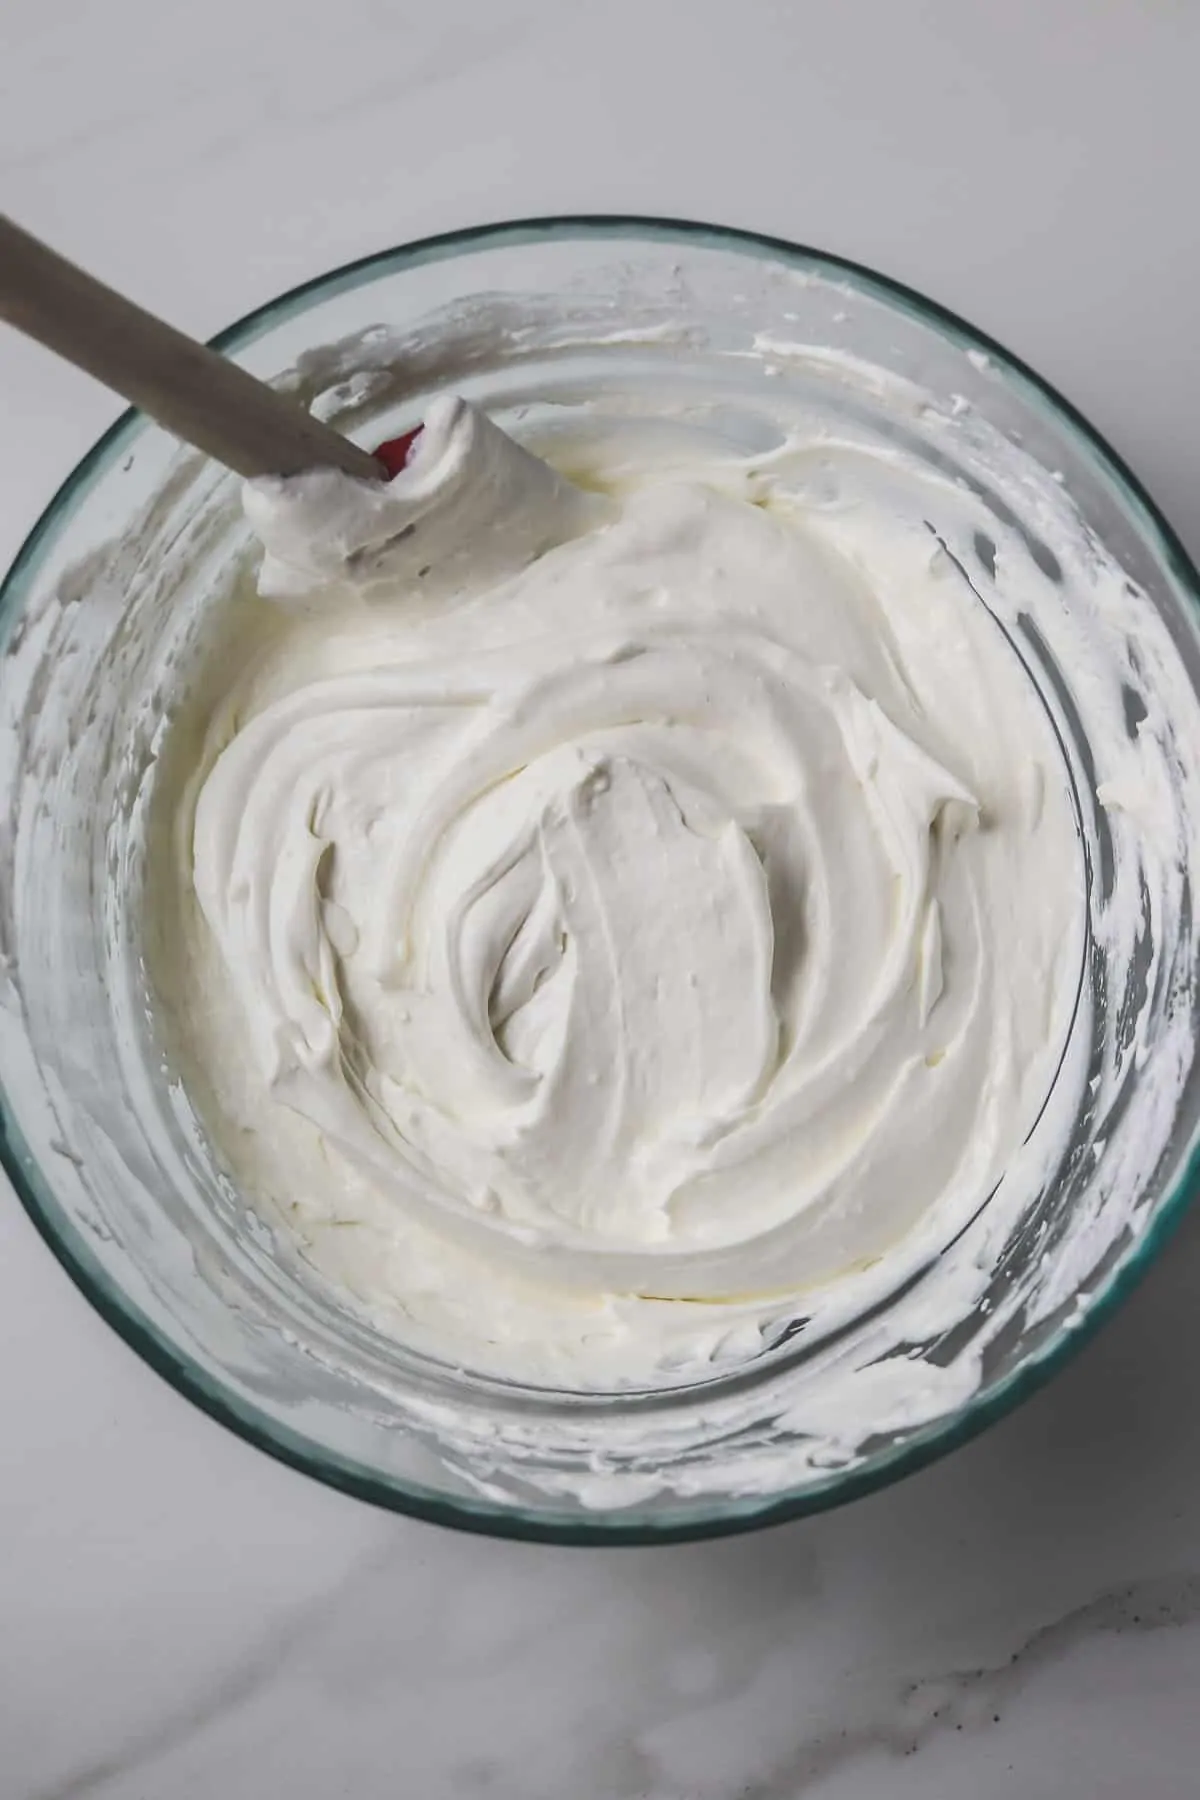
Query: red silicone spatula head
point(395, 453)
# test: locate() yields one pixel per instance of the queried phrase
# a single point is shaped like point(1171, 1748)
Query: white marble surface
point(181, 1618)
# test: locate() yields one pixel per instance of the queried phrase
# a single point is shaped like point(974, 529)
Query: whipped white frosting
point(621, 921)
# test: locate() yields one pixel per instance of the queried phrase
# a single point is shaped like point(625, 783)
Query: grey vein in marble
point(972, 1699)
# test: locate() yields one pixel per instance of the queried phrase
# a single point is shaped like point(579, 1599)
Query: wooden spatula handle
point(195, 393)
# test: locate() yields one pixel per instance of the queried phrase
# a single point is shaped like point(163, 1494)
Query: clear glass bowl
point(97, 612)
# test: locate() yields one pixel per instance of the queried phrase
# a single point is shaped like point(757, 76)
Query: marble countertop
point(182, 1618)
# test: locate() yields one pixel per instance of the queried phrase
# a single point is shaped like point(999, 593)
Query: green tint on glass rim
point(700, 1519)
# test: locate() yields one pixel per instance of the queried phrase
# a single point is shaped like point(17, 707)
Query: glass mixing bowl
point(97, 615)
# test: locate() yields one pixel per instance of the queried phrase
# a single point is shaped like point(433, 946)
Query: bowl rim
point(704, 1519)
